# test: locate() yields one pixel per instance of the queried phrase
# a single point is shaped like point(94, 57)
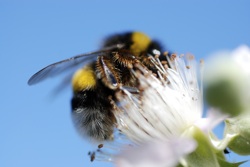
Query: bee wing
point(65, 83)
point(62, 66)
point(69, 64)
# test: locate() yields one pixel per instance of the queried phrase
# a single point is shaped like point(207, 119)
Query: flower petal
point(156, 153)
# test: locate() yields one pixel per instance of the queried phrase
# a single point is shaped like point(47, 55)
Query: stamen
point(155, 63)
point(161, 106)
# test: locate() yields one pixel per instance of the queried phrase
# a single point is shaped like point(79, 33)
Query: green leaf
point(224, 163)
point(204, 155)
point(240, 126)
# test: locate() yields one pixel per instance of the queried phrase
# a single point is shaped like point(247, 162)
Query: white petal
point(241, 56)
point(214, 118)
point(156, 154)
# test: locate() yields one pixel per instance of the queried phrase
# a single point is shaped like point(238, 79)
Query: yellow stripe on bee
point(84, 79)
point(140, 43)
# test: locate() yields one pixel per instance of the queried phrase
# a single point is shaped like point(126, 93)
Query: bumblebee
point(98, 76)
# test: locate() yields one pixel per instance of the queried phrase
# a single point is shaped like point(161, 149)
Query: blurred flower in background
point(227, 79)
point(228, 89)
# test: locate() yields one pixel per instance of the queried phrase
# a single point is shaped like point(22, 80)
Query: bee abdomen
point(92, 115)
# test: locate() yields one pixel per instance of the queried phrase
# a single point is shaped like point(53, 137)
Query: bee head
point(141, 44)
point(136, 42)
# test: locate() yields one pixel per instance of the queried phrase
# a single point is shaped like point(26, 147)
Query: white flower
point(165, 107)
point(168, 108)
point(162, 125)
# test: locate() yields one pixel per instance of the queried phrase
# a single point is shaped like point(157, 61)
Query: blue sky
point(36, 130)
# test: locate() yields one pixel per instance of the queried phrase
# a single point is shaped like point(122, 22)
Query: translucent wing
point(63, 85)
point(72, 63)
